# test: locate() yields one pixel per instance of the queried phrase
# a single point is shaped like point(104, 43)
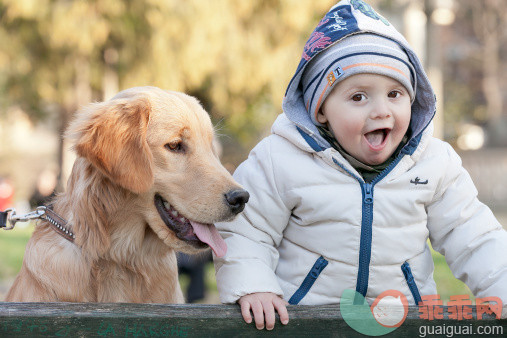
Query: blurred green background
point(237, 58)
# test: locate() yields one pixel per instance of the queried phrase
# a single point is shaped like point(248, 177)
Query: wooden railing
point(161, 320)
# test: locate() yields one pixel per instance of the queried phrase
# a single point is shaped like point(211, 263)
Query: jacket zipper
point(407, 272)
point(312, 276)
point(365, 240)
point(366, 227)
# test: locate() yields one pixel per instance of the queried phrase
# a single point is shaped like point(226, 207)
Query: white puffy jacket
point(313, 225)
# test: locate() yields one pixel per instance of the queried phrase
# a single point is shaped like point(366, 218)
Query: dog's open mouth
point(194, 233)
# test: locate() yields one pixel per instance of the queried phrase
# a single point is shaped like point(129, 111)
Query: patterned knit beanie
point(356, 54)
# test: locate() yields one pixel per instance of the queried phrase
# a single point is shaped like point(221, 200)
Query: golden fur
point(123, 251)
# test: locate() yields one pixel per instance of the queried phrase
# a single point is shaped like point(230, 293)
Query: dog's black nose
point(236, 199)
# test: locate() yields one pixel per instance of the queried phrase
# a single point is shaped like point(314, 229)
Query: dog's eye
point(176, 146)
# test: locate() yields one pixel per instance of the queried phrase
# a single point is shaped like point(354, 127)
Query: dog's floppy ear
point(112, 136)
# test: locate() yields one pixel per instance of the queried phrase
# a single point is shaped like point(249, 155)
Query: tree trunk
point(76, 97)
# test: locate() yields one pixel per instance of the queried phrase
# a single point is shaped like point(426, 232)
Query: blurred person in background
point(44, 189)
point(6, 193)
point(194, 266)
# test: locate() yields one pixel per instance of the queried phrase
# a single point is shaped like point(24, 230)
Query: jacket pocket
point(312, 276)
point(407, 272)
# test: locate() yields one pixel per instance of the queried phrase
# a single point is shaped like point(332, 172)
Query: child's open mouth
point(377, 138)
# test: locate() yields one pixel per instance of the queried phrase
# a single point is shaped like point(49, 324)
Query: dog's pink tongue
point(375, 137)
point(208, 234)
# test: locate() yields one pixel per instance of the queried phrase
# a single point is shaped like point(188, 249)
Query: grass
point(447, 285)
point(12, 248)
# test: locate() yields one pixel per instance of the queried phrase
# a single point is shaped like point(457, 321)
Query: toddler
point(351, 184)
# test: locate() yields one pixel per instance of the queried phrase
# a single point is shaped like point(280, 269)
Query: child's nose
point(380, 109)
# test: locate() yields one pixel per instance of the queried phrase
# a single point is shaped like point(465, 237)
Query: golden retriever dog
point(146, 182)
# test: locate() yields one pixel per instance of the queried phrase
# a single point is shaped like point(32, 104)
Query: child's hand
point(263, 304)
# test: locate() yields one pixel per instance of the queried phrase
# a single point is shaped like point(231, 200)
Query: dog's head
point(159, 145)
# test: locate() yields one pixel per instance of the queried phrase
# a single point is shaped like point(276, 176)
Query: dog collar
point(59, 224)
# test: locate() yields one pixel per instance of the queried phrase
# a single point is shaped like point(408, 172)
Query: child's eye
point(394, 94)
point(357, 97)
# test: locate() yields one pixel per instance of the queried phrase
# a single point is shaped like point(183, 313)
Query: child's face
point(369, 115)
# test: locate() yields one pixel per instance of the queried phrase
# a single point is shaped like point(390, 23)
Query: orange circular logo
point(390, 308)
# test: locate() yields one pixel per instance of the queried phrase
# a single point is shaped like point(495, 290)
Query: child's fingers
point(245, 311)
point(280, 306)
point(269, 313)
point(258, 313)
